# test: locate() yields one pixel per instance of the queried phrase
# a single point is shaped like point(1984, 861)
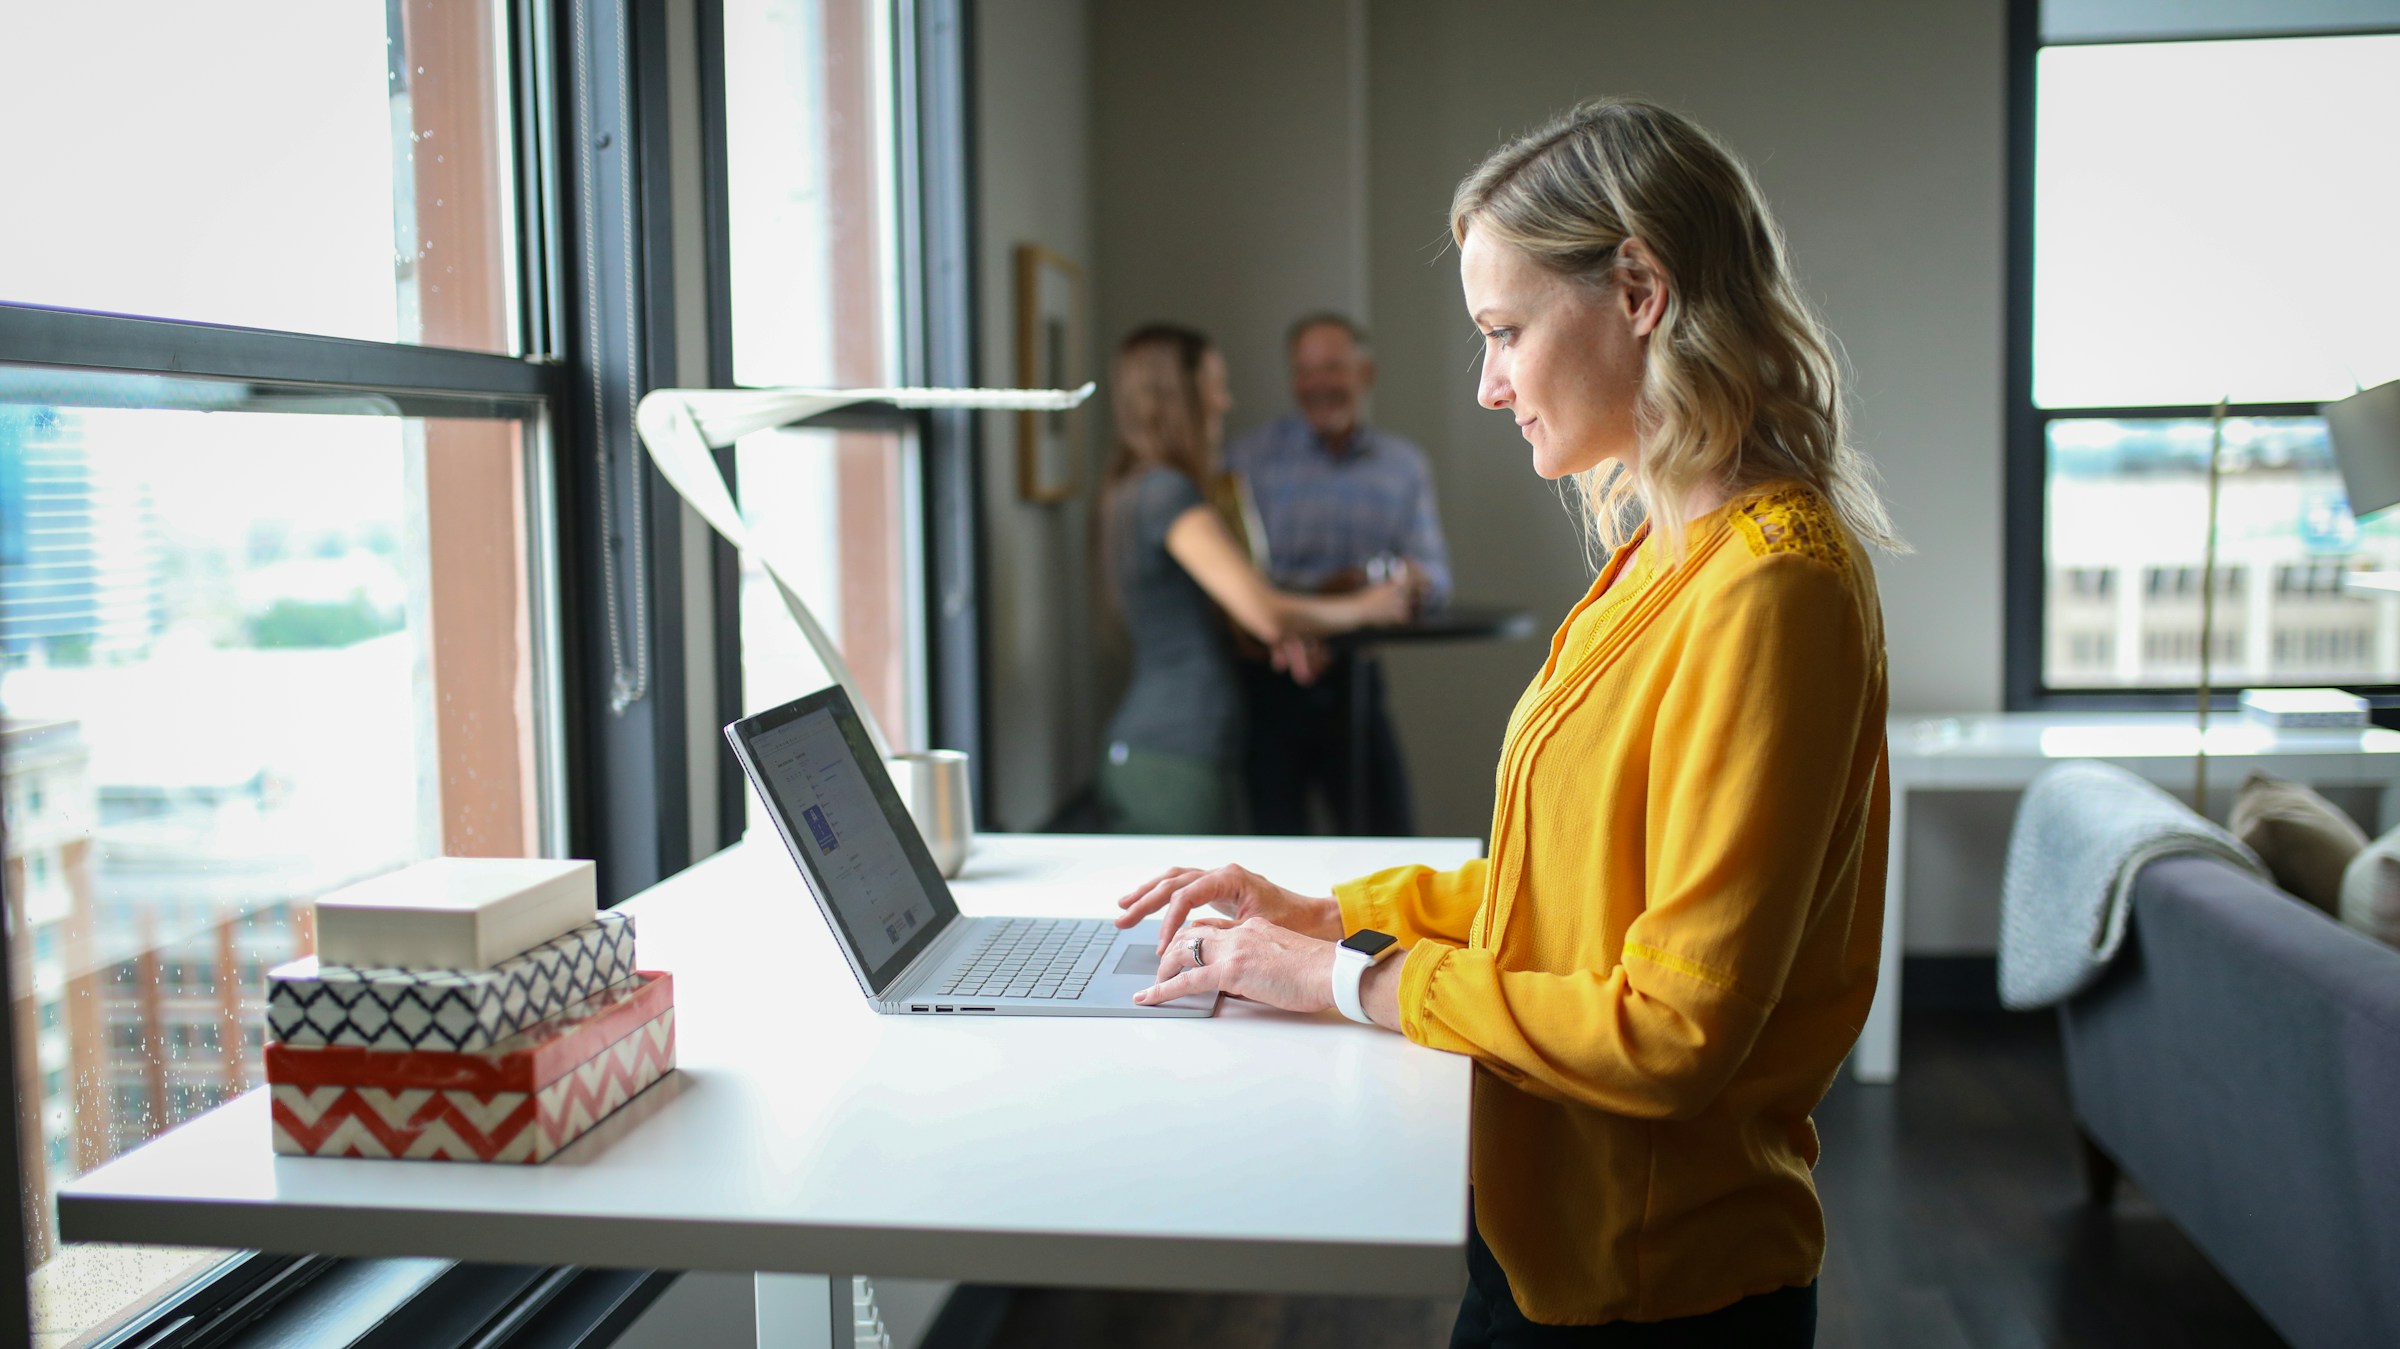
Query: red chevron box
point(519, 1101)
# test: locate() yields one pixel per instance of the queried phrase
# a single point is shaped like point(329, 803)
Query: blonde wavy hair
point(1740, 384)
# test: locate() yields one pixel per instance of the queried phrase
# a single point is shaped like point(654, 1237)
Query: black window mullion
point(725, 563)
point(2023, 466)
point(621, 531)
point(938, 237)
point(119, 344)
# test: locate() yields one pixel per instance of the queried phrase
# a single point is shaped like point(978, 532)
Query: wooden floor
point(1957, 1222)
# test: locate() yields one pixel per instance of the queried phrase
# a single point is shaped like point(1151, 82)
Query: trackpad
point(1138, 959)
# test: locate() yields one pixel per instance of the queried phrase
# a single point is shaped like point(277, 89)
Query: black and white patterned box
point(455, 1010)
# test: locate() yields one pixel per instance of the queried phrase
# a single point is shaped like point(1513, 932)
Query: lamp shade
point(2366, 443)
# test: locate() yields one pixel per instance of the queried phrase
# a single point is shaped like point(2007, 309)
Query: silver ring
point(1197, 961)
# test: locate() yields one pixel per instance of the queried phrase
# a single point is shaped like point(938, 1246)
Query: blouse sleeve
point(1754, 736)
point(1415, 904)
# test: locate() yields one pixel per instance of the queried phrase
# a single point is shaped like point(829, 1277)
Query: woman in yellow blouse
point(1673, 942)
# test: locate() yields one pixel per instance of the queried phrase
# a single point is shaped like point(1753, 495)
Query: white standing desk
point(1252, 1151)
point(2005, 751)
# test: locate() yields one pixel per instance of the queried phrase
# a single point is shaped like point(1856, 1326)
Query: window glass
point(342, 169)
point(2215, 220)
point(812, 230)
point(245, 658)
point(809, 175)
point(2127, 515)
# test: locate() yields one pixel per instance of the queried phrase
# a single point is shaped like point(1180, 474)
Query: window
point(286, 400)
point(811, 154)
point(275, 607)
point(176, 181)
point(2208, 219)
point(236, 710)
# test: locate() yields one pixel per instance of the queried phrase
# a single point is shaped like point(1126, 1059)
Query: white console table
point(2004, 751)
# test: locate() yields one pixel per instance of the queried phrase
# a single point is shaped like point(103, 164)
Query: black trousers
point(1299, 742)
point(1783, 1319)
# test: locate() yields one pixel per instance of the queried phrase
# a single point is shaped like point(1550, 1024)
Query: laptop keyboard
point(1034, 958)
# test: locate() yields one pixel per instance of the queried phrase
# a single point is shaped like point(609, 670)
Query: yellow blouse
point(1673, 943)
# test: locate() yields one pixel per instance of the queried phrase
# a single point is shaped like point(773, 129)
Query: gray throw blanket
point(2083, 831)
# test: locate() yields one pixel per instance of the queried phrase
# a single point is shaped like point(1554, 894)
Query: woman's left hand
point(1251, 959)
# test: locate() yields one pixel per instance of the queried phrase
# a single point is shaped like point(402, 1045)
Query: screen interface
point(866, 876)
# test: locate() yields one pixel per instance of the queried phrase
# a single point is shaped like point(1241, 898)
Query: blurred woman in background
point(1166, 554)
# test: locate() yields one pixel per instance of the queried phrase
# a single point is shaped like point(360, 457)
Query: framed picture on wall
point(1052, 353)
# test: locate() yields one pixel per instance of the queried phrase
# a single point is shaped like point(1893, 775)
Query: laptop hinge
point(935, 951)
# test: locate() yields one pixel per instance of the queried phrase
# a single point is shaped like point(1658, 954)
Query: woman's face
point(1216, 396)
point(1563, 356)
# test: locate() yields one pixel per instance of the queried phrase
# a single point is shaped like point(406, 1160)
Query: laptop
point(891, 913)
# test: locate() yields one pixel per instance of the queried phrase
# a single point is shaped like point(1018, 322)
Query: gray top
point(1182, 698)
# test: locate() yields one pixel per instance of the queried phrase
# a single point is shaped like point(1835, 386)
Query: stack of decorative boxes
point(463, 1009)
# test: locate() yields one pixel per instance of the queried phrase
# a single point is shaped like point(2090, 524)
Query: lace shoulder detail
point(1791, 520)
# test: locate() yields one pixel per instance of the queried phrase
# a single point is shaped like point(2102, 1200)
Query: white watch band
point(1348, 968)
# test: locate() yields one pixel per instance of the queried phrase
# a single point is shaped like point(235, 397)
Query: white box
point(455, 913)
point(2305, 709)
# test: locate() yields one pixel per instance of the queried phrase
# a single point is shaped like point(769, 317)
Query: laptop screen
point(845, 825)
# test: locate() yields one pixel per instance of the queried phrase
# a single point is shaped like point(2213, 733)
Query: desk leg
point(800, 1311)
point(1360, 758)
point(1876, 1057)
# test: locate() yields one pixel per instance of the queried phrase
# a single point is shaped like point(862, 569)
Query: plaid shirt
point(1325, 513)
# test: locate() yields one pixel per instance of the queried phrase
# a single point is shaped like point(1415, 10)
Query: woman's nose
point(1491, 388)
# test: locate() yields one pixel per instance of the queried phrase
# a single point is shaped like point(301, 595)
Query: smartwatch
point(1351, 957)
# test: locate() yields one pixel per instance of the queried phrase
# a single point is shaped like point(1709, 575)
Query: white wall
point(1230, 174)
point(1033, 119)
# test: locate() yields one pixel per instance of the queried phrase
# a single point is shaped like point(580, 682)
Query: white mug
point(933, 785)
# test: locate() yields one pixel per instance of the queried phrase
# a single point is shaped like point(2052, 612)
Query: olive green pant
point(1152, 792)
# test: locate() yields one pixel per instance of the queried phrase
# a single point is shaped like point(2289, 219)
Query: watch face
point(1368, 942)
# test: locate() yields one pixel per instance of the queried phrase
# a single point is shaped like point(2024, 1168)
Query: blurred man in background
point(1340, 502)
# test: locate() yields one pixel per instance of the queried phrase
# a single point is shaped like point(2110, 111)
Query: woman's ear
point(1642, 286)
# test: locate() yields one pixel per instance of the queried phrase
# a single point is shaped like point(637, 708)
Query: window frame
point(933, 182)
point(416, 381)
point(597, 310)
point(2025, 471)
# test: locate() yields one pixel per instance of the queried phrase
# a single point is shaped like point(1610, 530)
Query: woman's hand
point(1303, 658)
point(1253, 959)
point(1235, 891)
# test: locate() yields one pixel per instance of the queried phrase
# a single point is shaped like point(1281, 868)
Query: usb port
point(945, 1009)
point(920, 1007)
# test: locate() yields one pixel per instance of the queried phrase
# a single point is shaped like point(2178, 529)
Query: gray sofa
point(2241, 1062)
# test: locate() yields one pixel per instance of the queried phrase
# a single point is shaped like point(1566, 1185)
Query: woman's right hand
point(1234, 891)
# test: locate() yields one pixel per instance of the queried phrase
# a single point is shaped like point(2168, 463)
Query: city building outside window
point(2175, 262)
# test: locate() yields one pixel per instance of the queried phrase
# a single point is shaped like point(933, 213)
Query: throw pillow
point(2305, 840)
point(2371, 890)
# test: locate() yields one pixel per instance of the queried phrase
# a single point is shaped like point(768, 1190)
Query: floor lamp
point(2208, 605)
point(680, 427)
